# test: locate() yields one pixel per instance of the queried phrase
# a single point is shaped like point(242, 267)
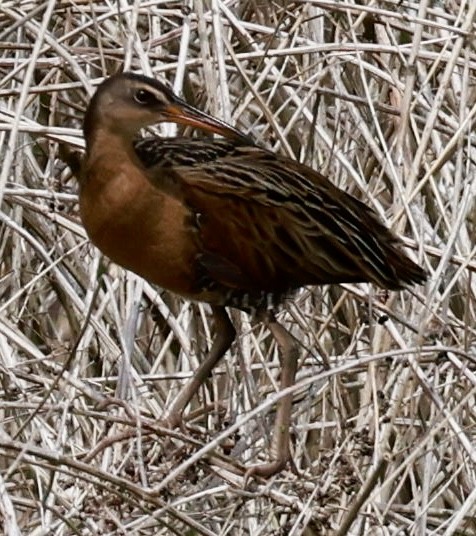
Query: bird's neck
point(107, 154)
point(105, 144)
point(102, 133)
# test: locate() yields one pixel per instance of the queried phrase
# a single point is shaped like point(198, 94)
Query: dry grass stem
point(378, 95)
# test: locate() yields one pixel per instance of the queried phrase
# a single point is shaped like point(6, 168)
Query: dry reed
point(380, 96)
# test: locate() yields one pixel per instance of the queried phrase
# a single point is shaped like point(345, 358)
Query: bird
point(223, 221)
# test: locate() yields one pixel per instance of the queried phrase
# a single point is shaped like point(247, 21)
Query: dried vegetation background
point(378, 95)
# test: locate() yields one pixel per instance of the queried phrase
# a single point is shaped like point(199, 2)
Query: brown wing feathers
point(287, 219)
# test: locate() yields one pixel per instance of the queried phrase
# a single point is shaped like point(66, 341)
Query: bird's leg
point(225, 334)
point(289, 354)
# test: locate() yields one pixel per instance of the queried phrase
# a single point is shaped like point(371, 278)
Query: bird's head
point(127, 102)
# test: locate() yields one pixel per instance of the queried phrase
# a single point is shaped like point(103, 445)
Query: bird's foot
point(173, 420)
point(266, 470)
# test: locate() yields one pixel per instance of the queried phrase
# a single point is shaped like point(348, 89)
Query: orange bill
point(182, 113)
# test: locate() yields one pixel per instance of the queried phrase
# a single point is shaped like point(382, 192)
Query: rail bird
point(222, 221)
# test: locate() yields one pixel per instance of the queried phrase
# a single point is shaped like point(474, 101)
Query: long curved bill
point(182, 113)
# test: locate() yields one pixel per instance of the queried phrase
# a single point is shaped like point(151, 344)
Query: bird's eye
point(144, 97)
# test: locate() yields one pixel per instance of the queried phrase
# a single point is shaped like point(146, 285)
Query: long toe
point(266, 470)
point(173, 420)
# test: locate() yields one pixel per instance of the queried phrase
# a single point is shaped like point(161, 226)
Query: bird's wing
point(278, 220)
point(172, 152)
